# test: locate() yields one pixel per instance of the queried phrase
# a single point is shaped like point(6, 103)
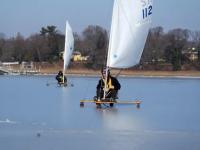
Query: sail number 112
point(147, 11)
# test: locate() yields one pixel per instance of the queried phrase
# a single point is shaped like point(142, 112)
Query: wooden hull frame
point(111, 103)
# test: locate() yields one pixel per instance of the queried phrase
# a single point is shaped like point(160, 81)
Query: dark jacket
point(59, 78)
point(114, 81)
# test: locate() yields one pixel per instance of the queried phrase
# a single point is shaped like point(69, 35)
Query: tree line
point(162, 49)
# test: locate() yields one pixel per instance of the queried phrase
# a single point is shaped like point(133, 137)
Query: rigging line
point(106, 56)
point(116, 76)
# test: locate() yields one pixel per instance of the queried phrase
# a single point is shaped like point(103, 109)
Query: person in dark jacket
point(112, 86)
point(61, 78)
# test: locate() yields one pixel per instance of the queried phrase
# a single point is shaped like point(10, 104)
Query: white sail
point(129, 29)
point(69, 46)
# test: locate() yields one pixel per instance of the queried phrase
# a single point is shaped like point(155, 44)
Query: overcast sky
point(28, 16)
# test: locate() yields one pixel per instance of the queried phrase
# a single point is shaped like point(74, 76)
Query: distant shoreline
point(125, 73)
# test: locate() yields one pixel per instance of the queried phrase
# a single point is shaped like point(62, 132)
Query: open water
point(34, 116)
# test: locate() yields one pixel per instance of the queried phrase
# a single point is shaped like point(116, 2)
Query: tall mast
point(105, 83)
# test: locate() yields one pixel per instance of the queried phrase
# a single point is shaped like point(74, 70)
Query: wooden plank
point(115, 102)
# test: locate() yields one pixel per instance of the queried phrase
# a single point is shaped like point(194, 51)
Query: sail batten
point(69, 46)
point(131, 21)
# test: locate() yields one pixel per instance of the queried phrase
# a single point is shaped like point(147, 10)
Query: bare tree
point(95, 40)
point(19, 44)
point(177, 39)
point(2, 43)
point(155, 43)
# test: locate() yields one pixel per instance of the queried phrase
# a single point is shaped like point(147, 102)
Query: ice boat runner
point(69, 47)
point(130, 25)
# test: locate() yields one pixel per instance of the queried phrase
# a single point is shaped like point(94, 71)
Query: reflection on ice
point(8, 121)
point(113, 119)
